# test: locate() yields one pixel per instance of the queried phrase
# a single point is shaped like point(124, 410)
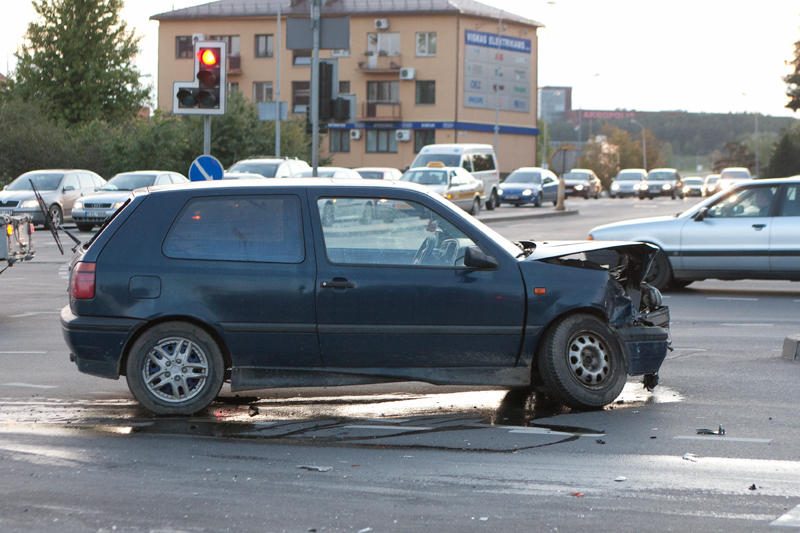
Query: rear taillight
point(82, 282)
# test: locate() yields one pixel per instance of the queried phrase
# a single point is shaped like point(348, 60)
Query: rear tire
point(84, 227)
point(475, 209)
point(660, 275)
point(581, 363)
point(175, 368)
point(492, 202)
point(55, 217)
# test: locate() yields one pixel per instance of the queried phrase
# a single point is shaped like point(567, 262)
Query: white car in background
point(379, 173)
point(271, 167)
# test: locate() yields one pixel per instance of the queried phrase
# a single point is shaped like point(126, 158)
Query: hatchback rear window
point(253, 228)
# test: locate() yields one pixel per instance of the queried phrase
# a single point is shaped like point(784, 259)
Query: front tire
point(175, 368)
point(581, 363)
point(492, 202)
point(475, 209)
point(55, 217)
point(660, 274)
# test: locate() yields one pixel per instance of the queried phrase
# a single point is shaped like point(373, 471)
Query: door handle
point(337, 283)
point(759, 227)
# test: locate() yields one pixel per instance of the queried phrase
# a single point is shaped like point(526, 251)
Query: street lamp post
point(644, 144)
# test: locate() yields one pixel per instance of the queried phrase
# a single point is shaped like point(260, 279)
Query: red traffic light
point(209, 57)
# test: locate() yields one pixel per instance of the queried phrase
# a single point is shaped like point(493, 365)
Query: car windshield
point(43, 182)
point(661, 176)
point(426, 177)
point(448, 160)
point(629, 176)
point(736, 174)
point(128, 182)
point(693, 181)
point(576, 176)
point(524, 177)
point(371, 174)
point(268, 170)
point(712, 179)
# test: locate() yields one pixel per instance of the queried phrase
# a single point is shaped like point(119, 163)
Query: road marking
point(547, 431)
point(746, 324)
point(722, 438)
point(388, 428)
point(790, 519)
point(22, 353)
point(29, 385)
point(731, 299)
point(34, 313)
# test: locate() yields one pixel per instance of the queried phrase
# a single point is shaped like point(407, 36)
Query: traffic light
point(206, 94)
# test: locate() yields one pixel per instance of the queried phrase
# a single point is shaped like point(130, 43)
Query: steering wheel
point(449, 251)
point(426, 249)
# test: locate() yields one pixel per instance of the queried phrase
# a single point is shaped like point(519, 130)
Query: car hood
point(576, 182)
point(632, 222)
point(108, 196)
point(513, 187)
point(15, 196)
point(554, 249)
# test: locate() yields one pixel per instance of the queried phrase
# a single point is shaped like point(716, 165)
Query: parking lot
point(713, 447)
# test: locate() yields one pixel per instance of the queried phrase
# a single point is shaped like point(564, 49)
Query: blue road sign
point(205, 168)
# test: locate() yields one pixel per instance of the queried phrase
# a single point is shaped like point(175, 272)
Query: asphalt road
point(78, 455)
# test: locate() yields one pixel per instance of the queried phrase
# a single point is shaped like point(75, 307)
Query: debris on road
point(315, 468)
point(600, 441)
point(620, 479)
point(690, 457)
point(705, 431)
point(753, 487)
point(577, 494)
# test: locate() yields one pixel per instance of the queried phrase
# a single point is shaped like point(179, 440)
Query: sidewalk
point(503, 214)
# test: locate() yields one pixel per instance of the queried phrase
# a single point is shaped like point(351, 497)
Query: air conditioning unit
point(402, 135)
point(407, 73)
point(198, 37)
point(355, 135)
point(381, 24)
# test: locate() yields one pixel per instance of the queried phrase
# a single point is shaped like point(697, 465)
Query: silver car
point(59, 189)
point(747, 232)
point(92, 210)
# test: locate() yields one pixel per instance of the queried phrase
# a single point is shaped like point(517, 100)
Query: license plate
point(511, 197)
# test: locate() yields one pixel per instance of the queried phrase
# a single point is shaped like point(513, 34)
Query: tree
point(785, 160)
point(77, 62)
point(793, 81)
point(734, 154)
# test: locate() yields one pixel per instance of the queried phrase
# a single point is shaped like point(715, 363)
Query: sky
point(714, 56)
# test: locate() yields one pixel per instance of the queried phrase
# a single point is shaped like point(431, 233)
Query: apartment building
point(418, 72)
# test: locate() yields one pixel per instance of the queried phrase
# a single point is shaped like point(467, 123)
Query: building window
point(383, 44)
point(426, 92)
point(426, 43)
point(340, 52)
point(184, 47)
point(262, 91)
point(301, 96)
point(344, 87)
point(264, 45)
point(233, 87)
point(301, 57)
point(383, 91)
point(381, 141)
point(339, 140)
point(423, 138)
point(232, 42)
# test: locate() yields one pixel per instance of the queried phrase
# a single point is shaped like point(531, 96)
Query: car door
point(461, 188)
point(784, 252)
point(734, 235)
point(549, 187)
point(70, 191)
point(399, 295)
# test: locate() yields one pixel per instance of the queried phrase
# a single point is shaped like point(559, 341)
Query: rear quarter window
point(265, 229)
point(483, 162)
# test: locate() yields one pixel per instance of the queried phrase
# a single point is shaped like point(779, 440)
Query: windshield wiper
point(527, 248)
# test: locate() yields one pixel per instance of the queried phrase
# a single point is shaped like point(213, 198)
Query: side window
point(791, 201)
point(751, 202)
point(71, 180)
point(98, 181)
point(466, 162)
point(483, 162)
point(163, 179)
point(248, 228)
point(87, 183)
point(416, 237)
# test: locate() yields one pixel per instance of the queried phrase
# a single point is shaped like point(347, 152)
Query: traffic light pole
point(315, 8)
point(206, 134)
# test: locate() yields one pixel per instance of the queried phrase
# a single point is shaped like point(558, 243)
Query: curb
point(524, 216)
point(791, 348)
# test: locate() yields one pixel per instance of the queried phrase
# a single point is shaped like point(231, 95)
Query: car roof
point(455, 147)
point(267, 160)
point(146, 172)
point(663, 169)
point(633, 170)
point(379, 169)
point(432, 168)
point(530, 169)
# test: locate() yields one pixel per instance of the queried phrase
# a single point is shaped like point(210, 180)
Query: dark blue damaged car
point(189, 287)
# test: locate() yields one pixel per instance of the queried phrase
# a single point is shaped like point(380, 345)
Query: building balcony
point(375, 111)
point(378, 63)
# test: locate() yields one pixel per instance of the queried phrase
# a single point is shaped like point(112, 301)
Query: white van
point(479, 159)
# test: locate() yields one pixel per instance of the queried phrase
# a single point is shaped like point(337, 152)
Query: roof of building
point(264, 8)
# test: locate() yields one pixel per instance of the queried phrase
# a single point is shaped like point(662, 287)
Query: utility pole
point(278, 106)
point(644, 144)
point(315, 16)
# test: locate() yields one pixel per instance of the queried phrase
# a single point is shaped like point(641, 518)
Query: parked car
point(626, 182)
point(529, 185)
point(332, 172)
point(236, 175)
point(730, 176)
point(480, 160)
point(271, 167)
point(711, 185)
point(93, 209)
point(189, 286)
point(582, 182)
point(662, 182)
point(693, 186)
point(750, 232)
point(379, 173)
point(453, 183)
point(59, 189)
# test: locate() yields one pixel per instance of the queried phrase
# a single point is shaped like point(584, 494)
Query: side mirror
point(68, 188)
point(701, 214)
point(475, 258)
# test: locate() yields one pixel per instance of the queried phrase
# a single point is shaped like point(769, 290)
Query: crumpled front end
point(635, 309)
